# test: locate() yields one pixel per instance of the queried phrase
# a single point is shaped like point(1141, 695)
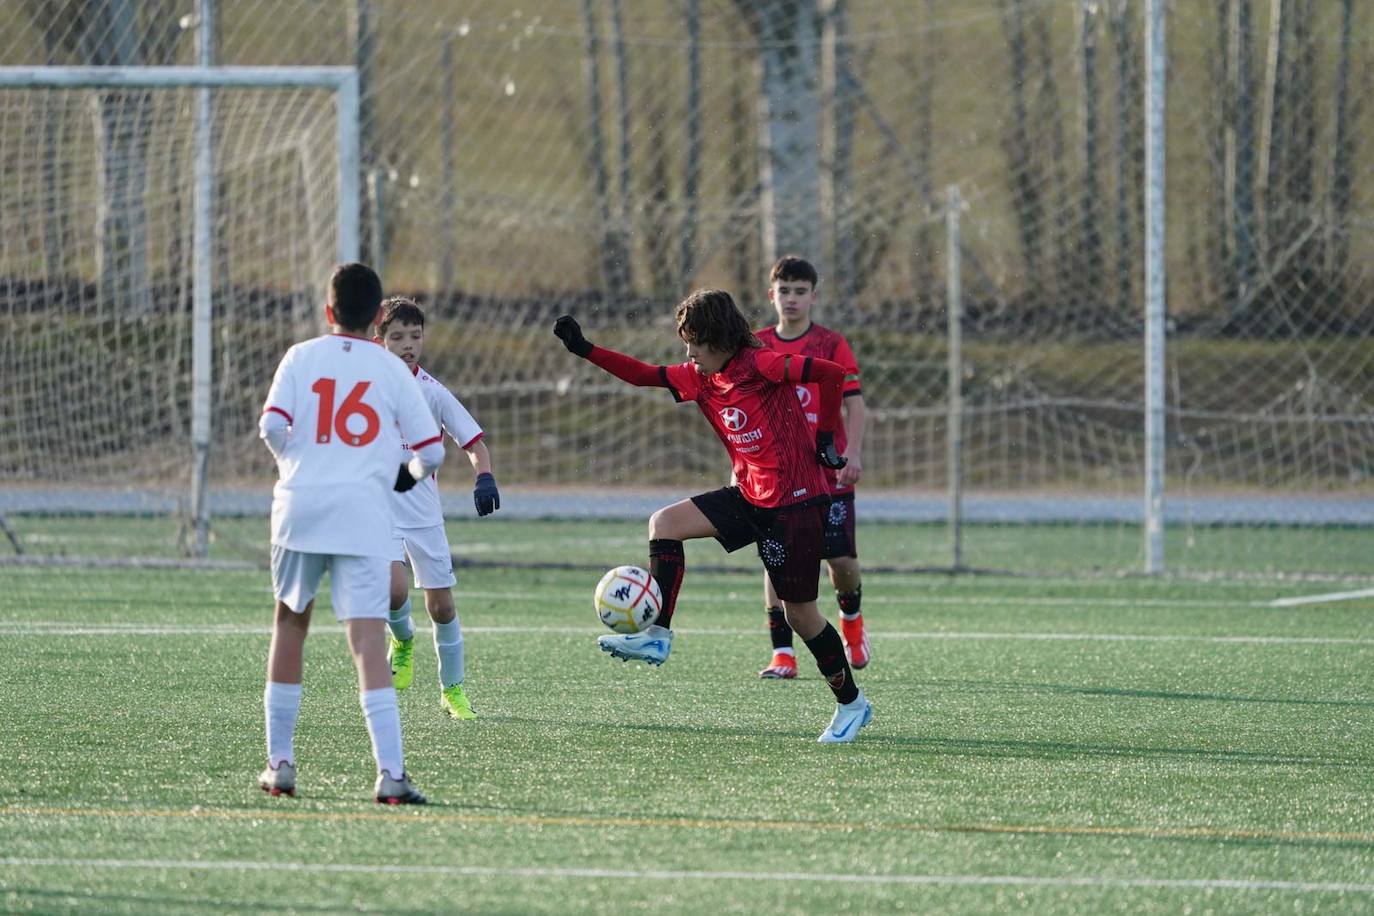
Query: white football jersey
point(420, 506)
point(349, 403)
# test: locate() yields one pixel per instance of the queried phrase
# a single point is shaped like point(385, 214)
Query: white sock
point(400, 623)
point(785, 650)
point(448, 645)
point(282, 704)
point(384, 727)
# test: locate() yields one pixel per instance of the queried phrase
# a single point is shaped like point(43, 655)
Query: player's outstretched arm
point(625, 368)
point(569, 331)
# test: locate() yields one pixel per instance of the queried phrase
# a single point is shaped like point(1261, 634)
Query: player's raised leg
point(668, 528)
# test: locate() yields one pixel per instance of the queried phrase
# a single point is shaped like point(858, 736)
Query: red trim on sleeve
point(475, 439)
point(419, 445)
point(280, 411)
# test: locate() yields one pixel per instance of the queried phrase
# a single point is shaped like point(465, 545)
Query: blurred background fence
point(604, 157)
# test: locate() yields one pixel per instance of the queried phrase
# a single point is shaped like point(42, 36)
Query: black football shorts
point(789, 538)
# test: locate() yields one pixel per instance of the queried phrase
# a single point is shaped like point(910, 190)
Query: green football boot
point(455, 703)
point(401, 656)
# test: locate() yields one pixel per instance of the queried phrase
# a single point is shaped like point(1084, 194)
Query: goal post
point(341, 82)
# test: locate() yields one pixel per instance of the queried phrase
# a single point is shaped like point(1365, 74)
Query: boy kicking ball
point(779, 502)
point(420, 536)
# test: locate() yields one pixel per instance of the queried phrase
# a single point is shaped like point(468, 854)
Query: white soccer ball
point(628, 599)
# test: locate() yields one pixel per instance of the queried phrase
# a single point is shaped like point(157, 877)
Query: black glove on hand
point(403, 479)
point(569, 331)
point(826, 454)
point(485, 495)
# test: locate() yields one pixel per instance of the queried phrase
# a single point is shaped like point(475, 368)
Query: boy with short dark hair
point(334, 419)
point(792, 290)
point(780, 495)
point(420, 538)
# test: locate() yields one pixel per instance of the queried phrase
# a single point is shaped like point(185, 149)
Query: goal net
point(97, 259)
point(604, 158)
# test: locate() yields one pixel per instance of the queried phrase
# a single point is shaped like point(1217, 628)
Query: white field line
point(1091, 881)
point(1298, 600)
point(49, 629)
point(915, 597)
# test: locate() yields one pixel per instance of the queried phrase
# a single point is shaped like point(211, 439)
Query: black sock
point(778, 630)
point(666, 564)
point(834, 667)
point(849, 601)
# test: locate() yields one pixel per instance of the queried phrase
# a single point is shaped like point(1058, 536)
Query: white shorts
point(428, 553)
point(359, 586)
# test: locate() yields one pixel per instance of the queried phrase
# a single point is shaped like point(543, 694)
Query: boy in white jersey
point(334, 419)
point(419, 534)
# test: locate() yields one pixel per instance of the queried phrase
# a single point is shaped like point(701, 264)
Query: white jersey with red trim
point(420, 506)
point(349, 404)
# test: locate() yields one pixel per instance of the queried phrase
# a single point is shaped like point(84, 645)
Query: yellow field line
point(540, 820)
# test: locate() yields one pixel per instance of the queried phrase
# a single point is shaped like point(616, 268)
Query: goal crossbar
point(342, 81)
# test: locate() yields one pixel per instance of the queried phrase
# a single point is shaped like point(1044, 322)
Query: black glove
point(485, 496)
point(826, 454)
point(404, 481)
point(569, 331)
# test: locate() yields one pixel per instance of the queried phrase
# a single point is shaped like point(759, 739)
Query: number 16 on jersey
point(331, 423)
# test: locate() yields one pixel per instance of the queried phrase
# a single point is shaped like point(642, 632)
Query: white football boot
point(848, 719)
point(279, 779)
point(392, 790)
point(652, 645)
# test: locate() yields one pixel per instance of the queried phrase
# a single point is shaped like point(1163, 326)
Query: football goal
point(167, 234)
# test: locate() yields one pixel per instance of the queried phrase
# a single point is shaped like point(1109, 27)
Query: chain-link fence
point(604, 157)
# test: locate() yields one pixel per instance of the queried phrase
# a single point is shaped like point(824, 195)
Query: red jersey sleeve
point(799, 370)
point(683, 380)
point(845, 357)
point(627, 368)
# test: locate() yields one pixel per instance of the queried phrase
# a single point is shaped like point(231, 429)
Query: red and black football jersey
point(822, 342)
point(772, 447)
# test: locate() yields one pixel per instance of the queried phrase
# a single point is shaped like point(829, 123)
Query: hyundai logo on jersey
point(734, 418)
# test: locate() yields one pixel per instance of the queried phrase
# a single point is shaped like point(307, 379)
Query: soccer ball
point(628, 599)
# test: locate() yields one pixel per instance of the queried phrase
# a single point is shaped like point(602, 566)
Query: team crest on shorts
point(838, 512)
point(772, 552)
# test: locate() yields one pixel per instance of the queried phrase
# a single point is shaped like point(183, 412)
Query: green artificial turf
point(1039, 744)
